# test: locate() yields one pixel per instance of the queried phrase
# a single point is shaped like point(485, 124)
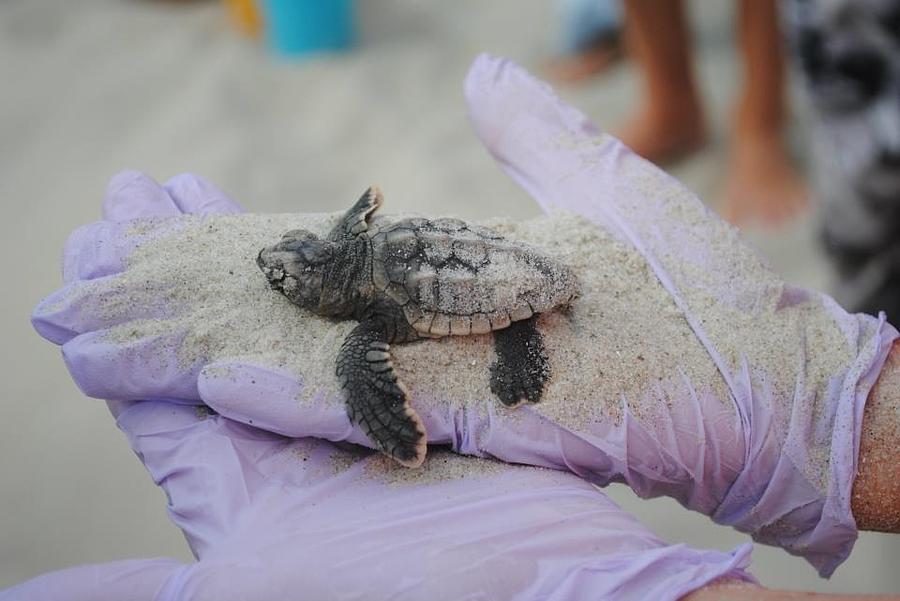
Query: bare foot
point(762, 183)
point(665, 136)
point(579, 66)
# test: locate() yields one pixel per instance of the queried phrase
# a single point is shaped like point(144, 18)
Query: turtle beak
point(290, 272)
point(270, 261)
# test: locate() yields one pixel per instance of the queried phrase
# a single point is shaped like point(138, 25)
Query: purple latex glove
point(271, 517)
point(757, 436)
point(799, 405)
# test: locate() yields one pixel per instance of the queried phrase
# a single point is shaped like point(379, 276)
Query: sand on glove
point(625, 345)
point(622, 342)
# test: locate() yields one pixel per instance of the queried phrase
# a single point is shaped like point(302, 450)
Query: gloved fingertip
point(478, 86)
point(197, 196)
point(497, 90)
point(92, 251)
point(117, 408)
point(147, 368)
point(270, 399)
point(251, 394)
point(54, 317)
point(132, 194)
point(485, 71)
point(43, 323)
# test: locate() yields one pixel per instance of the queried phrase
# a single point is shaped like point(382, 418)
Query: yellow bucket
point(245, 16)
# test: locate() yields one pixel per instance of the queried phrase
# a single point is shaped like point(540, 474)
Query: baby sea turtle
point(419, 278)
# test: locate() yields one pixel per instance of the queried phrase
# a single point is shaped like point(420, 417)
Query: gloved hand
point(743, 399)
point(274, 518)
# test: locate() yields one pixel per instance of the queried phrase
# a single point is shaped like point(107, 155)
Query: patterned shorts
point(849, 54)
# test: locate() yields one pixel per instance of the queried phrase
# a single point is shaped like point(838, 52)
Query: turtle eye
point(298, 236)
point(315, 252)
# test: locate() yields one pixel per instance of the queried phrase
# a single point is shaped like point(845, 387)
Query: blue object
point(586, 23)
point(298, 27)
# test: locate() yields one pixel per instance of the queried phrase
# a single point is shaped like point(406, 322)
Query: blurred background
point(96, 86)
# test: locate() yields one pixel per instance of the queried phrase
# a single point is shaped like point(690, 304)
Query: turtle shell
point(451, 277)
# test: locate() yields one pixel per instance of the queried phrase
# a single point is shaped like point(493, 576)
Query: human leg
point(762, 183)
point(669, 122)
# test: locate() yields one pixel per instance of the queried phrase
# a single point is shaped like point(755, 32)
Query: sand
point(625, 344)
point(622, 341)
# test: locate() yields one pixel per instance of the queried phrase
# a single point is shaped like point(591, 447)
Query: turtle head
point(296, 266)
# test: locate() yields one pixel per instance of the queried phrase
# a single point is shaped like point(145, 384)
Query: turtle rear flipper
point(376, 400)
point(522, 366)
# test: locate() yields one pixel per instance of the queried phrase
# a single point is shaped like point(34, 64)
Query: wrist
point(733, 590)
point(876, 490)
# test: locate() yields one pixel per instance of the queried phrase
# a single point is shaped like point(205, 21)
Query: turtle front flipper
point(522, 367)
point(356, 220)
point(376, 400)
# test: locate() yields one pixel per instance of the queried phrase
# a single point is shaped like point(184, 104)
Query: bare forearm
point(741, 591)
point(876, 490)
